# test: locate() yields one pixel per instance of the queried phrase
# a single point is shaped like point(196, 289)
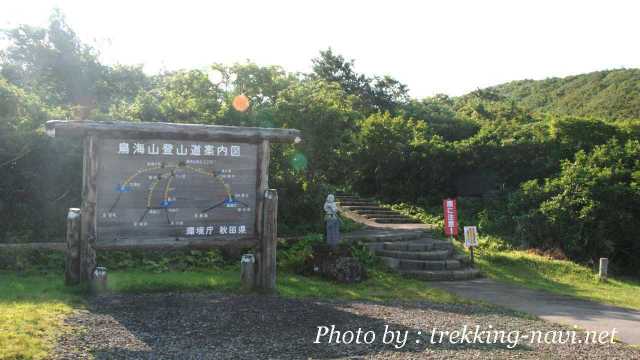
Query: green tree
point(438, 112)
point(377, 94)
point(590, 209)
point(386, 145)
point(37, 182)
point(52, 63)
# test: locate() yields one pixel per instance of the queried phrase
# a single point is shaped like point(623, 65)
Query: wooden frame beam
point(142, 130)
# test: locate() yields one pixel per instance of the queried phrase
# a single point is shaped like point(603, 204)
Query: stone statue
point(332, 221)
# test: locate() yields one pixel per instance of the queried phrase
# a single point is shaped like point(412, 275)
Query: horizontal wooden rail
point(59, 246)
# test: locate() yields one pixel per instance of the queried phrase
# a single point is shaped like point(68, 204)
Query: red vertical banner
point(450, 217)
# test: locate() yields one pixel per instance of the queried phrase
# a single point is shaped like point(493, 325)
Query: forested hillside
point(555, 163)
point(610, 94)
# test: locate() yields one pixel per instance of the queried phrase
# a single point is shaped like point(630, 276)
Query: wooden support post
point(262, 183)
point(72, 253)
point(267, 244)
point(604, 269)
point(88, 218)
point(471, 254)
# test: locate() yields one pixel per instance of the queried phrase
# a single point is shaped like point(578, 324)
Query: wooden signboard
point(150, 185)
point(156, 191)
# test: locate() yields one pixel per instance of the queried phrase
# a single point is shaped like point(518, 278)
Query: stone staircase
point(412, 252)
point(371, 210)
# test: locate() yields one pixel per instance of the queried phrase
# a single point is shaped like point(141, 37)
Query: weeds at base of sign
point(160, 261)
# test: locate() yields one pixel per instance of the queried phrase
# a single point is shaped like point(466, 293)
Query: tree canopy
point(558, 158)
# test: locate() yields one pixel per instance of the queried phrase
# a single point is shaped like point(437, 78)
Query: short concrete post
point(604, 268)
point(72, 253)
point(247, 272)
point(99, 281)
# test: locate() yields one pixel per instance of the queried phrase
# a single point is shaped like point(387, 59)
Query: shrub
point(590, 209)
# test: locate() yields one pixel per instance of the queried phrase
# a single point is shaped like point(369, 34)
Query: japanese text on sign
point(470, 236)
point(450, 217)
point(139, 148)
point(163, 191)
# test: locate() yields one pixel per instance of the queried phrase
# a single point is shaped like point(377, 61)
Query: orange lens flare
point(241, 103)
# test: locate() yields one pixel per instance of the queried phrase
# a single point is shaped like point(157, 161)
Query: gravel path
point(219, 326)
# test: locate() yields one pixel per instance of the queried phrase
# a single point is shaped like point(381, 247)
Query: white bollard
point(99, 283)
point(604, 265)
point(247, 271)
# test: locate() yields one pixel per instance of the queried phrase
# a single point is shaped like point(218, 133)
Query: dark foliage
point(558, 158)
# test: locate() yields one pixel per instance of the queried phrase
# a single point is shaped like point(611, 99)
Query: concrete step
point(357, 203)
point(443, 275)
point(376, 239)
point(418, 246)
point(416, 255)
point(380, 211)
point(385, 216)
point(394, 216)
point(360, 208)
point(404, 264)
point(463, 259)
point(353, 198)
point(396, 220)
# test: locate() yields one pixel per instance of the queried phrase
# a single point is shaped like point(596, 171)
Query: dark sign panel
point(159, 191)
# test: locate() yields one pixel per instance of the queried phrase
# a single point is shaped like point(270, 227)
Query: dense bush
point(44, 261)
point(292, 255)
point(32, 260)
point(540, 153)
point(590, 209)
point(162, 261)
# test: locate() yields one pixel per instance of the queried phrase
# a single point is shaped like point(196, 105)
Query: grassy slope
point(558, 276)
point(540, 272)
point(32, 307)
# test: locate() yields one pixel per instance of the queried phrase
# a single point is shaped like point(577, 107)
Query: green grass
point(558, 276)
point(136, 281)
point(32, 307)
point(381, 286)
point(498, 261)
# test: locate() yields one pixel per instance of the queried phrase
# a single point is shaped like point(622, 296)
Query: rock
point(347, 270)
point(336, 264)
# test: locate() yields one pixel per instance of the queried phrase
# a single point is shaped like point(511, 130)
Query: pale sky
point(450, 47)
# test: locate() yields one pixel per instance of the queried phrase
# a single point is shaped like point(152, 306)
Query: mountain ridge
point(608, 94)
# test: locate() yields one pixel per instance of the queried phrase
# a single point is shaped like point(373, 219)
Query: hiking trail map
point(168, 190)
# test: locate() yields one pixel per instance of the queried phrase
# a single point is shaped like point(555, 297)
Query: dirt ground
point(220, 326)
